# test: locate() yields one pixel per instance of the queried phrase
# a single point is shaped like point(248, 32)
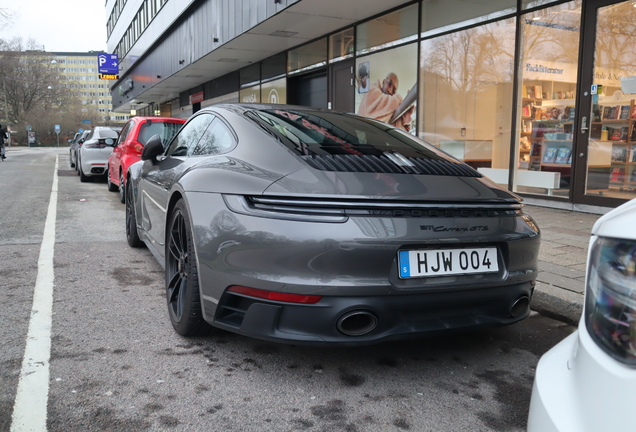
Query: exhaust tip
point(357, 323)
point(519, 306)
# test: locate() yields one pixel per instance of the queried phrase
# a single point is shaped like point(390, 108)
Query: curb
point(557, 303)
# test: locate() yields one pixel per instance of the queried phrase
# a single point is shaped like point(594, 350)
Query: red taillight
point(276, 296)
point(137, 147)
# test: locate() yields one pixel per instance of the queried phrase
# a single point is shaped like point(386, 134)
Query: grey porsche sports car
point(310, 226)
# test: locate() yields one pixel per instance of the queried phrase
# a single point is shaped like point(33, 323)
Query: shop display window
point(306, 57)
point(529, 4)
point(386, 86)
point(275, 66)
point(444, 15)
point(389, 30)
point(341, 45)
point(466, 89)
point(611, 154)
point(546, 110)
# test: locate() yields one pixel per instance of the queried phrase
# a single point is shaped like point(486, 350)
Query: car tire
point(132, 235)
point(182, 279)
point(122, 188)
point(111, 186)
point(83, 178)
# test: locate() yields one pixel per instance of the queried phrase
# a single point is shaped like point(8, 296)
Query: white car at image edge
point(588, 381)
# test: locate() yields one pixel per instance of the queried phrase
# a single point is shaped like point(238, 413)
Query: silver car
point(310, 226)
point(93, 153)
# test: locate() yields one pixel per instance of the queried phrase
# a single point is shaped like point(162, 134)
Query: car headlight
point(610, 305)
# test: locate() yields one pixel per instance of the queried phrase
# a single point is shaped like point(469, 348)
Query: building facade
point(539, 95)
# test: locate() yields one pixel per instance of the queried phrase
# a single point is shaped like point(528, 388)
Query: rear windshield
point(165, 130)
point(325, 133)
point(105, 133)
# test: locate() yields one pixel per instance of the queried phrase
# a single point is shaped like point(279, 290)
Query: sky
point(58, 26)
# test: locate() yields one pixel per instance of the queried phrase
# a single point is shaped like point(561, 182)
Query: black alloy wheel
point(111, 186)
point(132, 235)
point(182, 279)
point(122, 188)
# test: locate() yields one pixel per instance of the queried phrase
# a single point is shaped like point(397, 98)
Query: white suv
point(588, 381)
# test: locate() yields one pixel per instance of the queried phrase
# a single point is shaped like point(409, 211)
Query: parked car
point(93, 153)
point(588, 381)
point(310, 226)
point(78, 139)
point(131, 142)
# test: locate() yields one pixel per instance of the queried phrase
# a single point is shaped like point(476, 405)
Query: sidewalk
point(562, 259)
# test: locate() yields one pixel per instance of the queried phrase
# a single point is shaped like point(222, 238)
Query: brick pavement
point(565, 237)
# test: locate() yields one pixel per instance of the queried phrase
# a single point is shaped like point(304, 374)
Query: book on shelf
point(597, 110)
point(617, 175)
point(524, 91)
point(563, 155)
point(632, 177)
point(634, 112)
point(550, 155)
point(535, 150)
point(529, 91)
point(633, 159)
point(619, 153)
point(569, 114)
point(617, 134)
point(605, 112)
point(624, 112)
point(538, 92)
point(570, 159)
point(538, 113)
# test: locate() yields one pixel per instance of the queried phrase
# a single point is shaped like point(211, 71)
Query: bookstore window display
point(611, 163)
point(547, 102)
point(465, 103)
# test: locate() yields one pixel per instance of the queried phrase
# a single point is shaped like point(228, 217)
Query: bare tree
point(6, 17)
point(32, 88)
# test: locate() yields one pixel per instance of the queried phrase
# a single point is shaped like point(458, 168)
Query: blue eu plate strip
point(405, 266)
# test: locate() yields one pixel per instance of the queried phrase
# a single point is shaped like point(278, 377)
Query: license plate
point(441, 262)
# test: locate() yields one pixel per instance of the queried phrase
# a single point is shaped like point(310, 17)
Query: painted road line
point(29, 410)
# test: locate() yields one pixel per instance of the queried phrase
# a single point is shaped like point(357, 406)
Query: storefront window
point(250, 75)
point(274, 66)
point(529, 4)
point(388, 30)
point(465, 100)
point(443, 15)
point(274, 92)
point(547, 99)
point(250, 94)
point(341, 45)
point(611, 151)
point(308, 56)
point(386, 88)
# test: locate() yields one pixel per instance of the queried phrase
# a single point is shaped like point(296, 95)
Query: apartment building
point(79, 70)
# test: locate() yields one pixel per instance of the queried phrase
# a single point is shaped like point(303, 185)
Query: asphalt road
point(117, 365)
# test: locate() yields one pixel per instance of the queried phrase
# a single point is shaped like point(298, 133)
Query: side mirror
point(70, 141)
point(80, 142)
point(109, 141)
point(152, 149)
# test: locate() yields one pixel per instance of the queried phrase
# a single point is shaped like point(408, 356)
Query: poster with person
point(387, 87)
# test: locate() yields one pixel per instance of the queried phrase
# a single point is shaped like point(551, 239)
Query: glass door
point(605, 157)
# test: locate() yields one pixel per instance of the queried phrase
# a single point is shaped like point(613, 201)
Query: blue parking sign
point(108, 64)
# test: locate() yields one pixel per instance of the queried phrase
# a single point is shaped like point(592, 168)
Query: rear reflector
point(276, 296)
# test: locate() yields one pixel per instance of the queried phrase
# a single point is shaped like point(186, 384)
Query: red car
point(131, 142)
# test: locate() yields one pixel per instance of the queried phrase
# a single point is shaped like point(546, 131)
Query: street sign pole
point(57, 131)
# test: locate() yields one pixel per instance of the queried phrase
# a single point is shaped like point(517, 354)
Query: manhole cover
point(66, 173)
